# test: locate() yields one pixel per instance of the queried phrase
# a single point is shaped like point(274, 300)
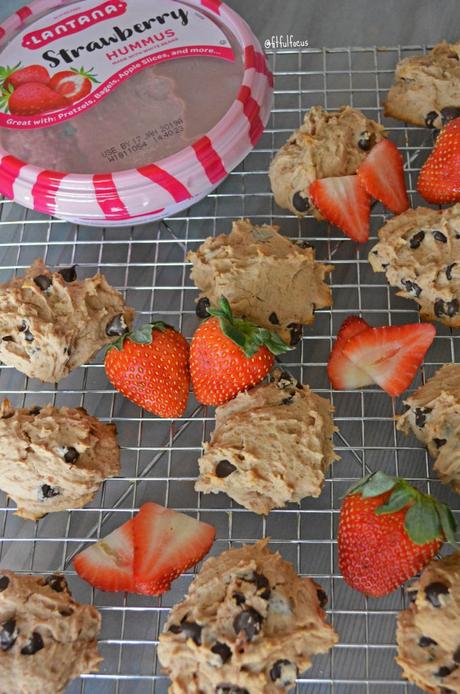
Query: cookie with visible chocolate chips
point(426, 90)
point(259, 626)
point(54, 458)
point(328, 143)
point(266, 278)
point(428, 633)
point(419, 252)
point(51, 322)
point(271, 445)
point(46, 638)
point(433, 416)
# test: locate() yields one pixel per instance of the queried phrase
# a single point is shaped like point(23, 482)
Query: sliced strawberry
point(342, 373)
point(166, 543)
point(391, 355)
point(108, 564)
point(382, 175)
point(345, 203)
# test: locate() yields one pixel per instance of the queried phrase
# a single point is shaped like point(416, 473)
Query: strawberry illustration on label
point(17, 75)
point(31, 99)
point(73, 84)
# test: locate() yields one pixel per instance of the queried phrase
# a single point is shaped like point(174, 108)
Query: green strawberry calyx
point(6, 72)
point(426, 517)
point(89, 74)
point(245, 334)
point(141, 336)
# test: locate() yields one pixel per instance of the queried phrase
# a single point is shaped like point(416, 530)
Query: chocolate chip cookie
point(428, 632)
point(271, 445)
point(426, 90)
point(267, 279)
point(433, 415)
point(46, 638)
point(419, 251)
point(54, 458)
point(328, 143)
point(50, 322)
point(248, 625)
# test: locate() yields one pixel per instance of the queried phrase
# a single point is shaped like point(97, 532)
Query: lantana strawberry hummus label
point(68, 61)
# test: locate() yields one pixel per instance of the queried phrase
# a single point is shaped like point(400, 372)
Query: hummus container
point(126, 111)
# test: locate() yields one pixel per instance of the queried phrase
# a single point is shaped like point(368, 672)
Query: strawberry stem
point(426, 518)
point(141, 336)
point(245, 334)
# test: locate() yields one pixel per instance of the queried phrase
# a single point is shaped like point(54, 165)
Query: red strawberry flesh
point(391, 355)
point(166, 543)
point(382, 175)
point(376, 555)
point(108, 564)
point(439, 179)
point(343, 201)
point(342, 373)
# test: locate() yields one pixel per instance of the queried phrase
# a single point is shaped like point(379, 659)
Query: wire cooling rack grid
point(159, 457)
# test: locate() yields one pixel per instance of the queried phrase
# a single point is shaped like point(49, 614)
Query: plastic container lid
point(126, 111)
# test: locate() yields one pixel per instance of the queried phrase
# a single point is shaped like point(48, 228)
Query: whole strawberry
point(439, 179)
point(228, 355)
point(388, 532)
point(150, 367)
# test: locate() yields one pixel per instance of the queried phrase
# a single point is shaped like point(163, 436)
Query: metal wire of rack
point(159, 457)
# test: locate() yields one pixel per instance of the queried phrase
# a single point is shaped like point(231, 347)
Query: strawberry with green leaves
point(388, 532)
point(229, 355)
point(150, 367)
point(73, 84)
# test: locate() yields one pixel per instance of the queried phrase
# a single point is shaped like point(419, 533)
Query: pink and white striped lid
point(157, 189)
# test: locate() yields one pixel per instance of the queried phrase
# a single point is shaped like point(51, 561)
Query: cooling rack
point(159, 457)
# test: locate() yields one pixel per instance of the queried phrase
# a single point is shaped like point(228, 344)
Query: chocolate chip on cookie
point(70, 454)
point(4, 583)
point(300, 201)
point(439, 442)
point(417, 239)
point(68, 274)
point(57, 583)
point(248, 622)
point(444, 671)
point(430, 119)
point(433, 591)
point(47, 492)
point(425, 641)
point(230, 689)
point(43, 282)
point(446, 308)
point(273, 318)
point(322, 597)
point(284, 673)
point(8, 634)
point(411, 287)
point(439, 236)
point(223, 650)
point(366, 140)
point(224, 468)
point(8, 338)
point(296, 331)
point(34, 644)
point(238, 597)
point(202, 306)
point(116, 326)
point(420, 416)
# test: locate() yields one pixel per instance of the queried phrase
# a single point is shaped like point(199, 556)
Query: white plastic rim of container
point(178, 96)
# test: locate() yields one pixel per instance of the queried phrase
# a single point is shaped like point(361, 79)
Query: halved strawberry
point(382, 175)
point(166, 543)
point(342, 373)
point(345, 203)
point(108, 564)
point(390, 355)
